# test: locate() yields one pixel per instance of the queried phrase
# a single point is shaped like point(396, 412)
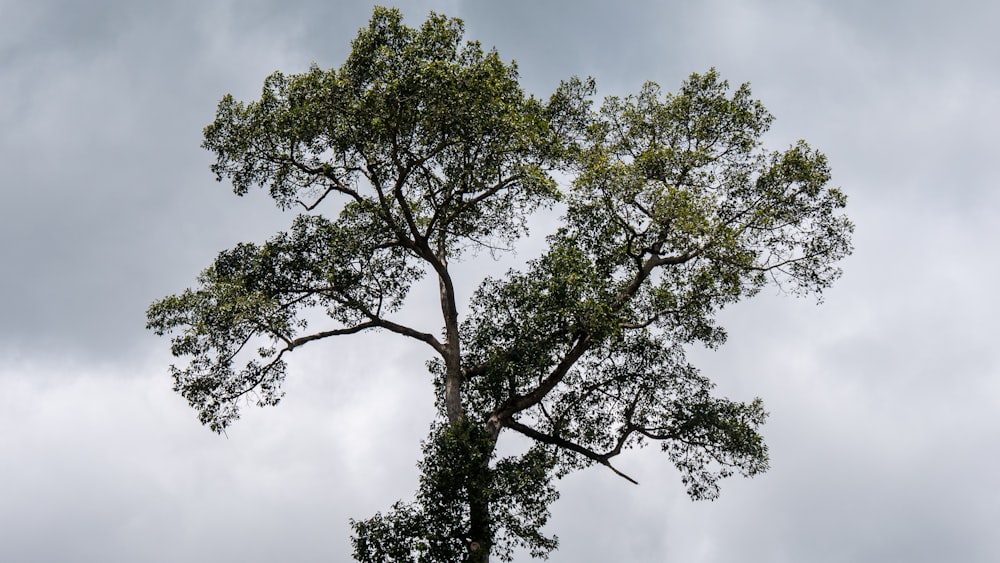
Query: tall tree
point(423, 149)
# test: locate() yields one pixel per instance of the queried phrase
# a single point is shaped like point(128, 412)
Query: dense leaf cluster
point(439, 527)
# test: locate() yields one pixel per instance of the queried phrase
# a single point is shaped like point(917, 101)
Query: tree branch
point(503, 415)
point(319, 200)
point(652, 319)
point(407, 331)
point(326, 171)
point(572, 446)
point(328, 333)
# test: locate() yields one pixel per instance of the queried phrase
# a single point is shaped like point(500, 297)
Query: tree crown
point(422, 146)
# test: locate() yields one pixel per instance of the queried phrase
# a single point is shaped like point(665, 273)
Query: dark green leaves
point(252, 295)
point(429, 131)
point(457, 481)
point(677, 212)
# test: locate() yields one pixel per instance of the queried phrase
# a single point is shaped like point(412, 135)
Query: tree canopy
point(423, 150)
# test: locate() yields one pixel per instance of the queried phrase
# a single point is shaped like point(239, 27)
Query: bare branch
point(572, 446)
point(319, 200)
point(407, 331)
point(336, 182)
point(328, 333)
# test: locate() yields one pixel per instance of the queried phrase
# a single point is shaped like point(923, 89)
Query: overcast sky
point(884, 431)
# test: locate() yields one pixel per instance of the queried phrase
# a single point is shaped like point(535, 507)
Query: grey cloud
point(882, 432)
point(105, 181)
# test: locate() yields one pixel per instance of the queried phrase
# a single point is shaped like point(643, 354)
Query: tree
point(423, 150)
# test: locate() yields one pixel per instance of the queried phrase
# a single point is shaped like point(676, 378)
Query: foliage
point(518, 490)
point(422, 147)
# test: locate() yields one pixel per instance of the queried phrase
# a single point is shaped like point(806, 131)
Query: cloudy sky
point(884, 430)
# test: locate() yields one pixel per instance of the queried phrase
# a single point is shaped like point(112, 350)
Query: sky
point(883, 432)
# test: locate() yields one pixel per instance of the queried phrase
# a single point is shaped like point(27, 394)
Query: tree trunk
point(480, 444)
point(453, 346)
point(477, 488)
